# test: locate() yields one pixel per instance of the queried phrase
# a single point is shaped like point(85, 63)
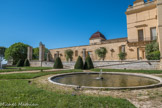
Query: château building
point(144, 25)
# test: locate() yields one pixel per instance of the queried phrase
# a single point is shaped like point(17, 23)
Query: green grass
point(12, 69)
point(130, 71)
point(14, 89)
point(19, 91)
point(33, 75)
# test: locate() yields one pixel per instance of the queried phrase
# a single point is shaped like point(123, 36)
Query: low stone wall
point(39, 64)
point(138, 65)
point(69, 65)
point(35, 63)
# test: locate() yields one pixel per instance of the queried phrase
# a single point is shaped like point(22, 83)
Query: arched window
point(76, 53)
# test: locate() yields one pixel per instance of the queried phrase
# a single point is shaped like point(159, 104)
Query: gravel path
point(32, 71)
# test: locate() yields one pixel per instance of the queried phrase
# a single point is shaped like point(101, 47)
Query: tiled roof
point(115, 40)
point(97, 35)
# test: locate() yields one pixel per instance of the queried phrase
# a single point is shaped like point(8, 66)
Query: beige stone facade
point(144, 25)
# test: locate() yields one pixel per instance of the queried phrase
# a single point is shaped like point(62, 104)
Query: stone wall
point(50, 64)
point(136, 65)
point(39, 64)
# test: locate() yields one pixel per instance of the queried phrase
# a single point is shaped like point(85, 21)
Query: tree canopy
point(101, 52)
point(122, 55)
point(69, 54)
point(16, 52)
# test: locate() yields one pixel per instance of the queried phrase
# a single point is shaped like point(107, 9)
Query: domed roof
point(97, 35)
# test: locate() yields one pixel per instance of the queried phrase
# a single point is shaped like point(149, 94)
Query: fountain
point(100, 75)
point(111, 80)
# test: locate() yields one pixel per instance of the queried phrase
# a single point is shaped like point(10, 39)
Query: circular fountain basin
point(111, 80)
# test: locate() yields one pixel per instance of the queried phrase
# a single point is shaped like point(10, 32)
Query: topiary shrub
point(79, 63)
point(122, 55)
point(88, 63)
point(26, 63)
point(58, 64)
point(20, 63)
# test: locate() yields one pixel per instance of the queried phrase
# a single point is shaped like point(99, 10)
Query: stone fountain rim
point(109, 88)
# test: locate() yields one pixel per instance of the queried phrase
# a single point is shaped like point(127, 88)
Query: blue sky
point(61, 23)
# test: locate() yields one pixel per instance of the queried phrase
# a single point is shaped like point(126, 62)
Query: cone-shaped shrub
point(58, 63)
point(20, 63)
point(79, 63)
point(26, 63)
point(88, 63)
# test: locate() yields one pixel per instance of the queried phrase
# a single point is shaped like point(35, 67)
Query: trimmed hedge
point(58, 64)
point(20, 63)
point(88, 63)
point(26, 63)
point(79, 63)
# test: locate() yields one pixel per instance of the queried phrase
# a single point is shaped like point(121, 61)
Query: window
point(153, 33)
point(140, 35)
point(76, 53)
point(122, 48)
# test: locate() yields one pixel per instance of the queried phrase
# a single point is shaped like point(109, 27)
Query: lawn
point(15, 89)
point(33, 75)
point(130, 71)
point(11, 69)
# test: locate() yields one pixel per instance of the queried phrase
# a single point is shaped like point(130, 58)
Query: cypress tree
point(58, 64)
point(26, 63)
point(79, 63)
point(88, 63)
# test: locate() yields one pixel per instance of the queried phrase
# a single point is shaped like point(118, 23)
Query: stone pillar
point(48, 56)
point(84, 54)
point(41, 51)
point(30, 53)
point(159, 18)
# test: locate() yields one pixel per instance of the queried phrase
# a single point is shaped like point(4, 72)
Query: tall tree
point(36, 53)
point(2, 51)
point(101, 52)
point(69, 54)
point(16, 52)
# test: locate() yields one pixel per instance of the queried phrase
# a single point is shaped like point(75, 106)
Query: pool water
point(109, 80)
